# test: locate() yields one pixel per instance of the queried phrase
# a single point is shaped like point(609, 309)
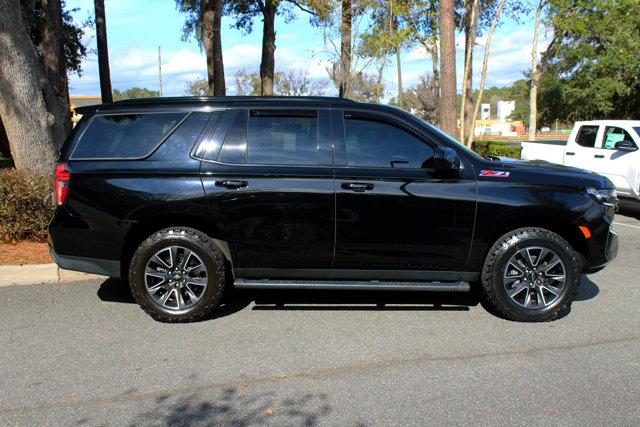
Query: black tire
point(195, 241)
point(493, 287)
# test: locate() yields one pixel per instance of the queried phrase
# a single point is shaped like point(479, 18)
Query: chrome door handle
point(358, 187)
point(232, 184)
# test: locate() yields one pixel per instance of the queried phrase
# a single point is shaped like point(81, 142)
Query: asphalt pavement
point(85, 354)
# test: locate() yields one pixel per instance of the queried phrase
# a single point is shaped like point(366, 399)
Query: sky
point(135, 30)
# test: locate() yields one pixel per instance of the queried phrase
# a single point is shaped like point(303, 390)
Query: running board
point(353, 285)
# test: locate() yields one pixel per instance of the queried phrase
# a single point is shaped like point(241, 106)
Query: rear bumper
point(103, 267)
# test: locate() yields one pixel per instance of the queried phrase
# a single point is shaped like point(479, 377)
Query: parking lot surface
point(85, 354)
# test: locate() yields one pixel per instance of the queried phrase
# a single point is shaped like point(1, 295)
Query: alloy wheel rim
point(176, 278)
point(534, 277)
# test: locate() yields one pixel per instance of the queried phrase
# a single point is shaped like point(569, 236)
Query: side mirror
point(445, 161)
point(625, 145)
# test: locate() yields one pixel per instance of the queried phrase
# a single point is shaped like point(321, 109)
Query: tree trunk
point(344, 88)
point(219, 85)
point(447, 110)
point(535, 78)
point(467, 90)
point(32, 114)
point(470, 41)
point(267, 63)
point(435, 70)
point(52, 51)
point(103, 53)
point(206, 16)
point(485, 60)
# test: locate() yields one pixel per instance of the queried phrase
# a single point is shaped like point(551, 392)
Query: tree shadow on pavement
point(230, 407)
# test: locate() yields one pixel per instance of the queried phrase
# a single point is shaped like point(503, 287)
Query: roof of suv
point(199, 100)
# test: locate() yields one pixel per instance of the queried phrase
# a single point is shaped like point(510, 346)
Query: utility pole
point(160, 68)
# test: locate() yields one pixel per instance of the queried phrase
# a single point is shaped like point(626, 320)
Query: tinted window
point(181, 141)
point(613, 135)
point(270, 138)
point(234, 147)
point(124, 135)
point(282, 140)
point(380, 144)
point(587, 136)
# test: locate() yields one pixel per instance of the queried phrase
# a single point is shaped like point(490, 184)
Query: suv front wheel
point(531, 275)
point(177, 275)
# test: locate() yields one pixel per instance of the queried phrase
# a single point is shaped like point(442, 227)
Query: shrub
point(496, 148)
point(26, 205)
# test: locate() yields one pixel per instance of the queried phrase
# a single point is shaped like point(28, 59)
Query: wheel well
point(565, 229)
point(143, 229)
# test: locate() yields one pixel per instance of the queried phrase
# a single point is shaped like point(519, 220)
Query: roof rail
point(185, 99)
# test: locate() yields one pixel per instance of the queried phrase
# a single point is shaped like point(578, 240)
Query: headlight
point(607, 197)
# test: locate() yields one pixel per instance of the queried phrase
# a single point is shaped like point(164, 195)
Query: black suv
point(188, 196)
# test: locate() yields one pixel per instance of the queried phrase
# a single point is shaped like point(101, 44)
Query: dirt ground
point(24, 253)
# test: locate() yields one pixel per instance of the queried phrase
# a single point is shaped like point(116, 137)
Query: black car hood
point(565, 175)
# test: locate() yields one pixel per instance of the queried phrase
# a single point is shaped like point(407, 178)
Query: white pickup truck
point(607, 147)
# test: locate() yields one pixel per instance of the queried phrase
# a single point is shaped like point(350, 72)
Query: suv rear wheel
point(177, 275)
point(531, 275)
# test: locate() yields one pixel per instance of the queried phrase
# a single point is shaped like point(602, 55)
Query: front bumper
point(602, 250)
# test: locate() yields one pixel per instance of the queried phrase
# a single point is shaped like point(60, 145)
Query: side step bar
point(352, 285)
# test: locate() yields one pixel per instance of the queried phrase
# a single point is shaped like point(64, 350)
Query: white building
point(485, 111)
point(504, 109)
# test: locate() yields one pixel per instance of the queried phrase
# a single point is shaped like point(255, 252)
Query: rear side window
point(272, 138)
point(180, 142)
point(587, 136)
point(125, 136)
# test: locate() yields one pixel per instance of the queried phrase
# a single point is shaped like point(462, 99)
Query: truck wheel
point(177, 275)
point(530, 275)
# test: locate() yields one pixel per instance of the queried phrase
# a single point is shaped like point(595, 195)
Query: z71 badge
point(495, 174)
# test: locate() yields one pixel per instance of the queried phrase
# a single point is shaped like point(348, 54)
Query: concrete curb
point(36, 274)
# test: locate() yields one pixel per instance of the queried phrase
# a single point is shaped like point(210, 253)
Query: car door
point(395, 219)
point(269, 183)
point(581, 150)
point(620, 166)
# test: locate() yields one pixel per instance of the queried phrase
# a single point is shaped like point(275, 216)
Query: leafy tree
point(286, 83)
point(245, 11)
point(135, 92)
point(597, 58)
point(32, 113)
point(197, 87)
point(298, 83)
point(71, 32)
point(421, 99)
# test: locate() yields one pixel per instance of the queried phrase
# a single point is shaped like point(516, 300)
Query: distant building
point(504, 109)
point(485, 111)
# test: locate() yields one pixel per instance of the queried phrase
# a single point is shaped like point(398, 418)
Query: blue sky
point(135, 29)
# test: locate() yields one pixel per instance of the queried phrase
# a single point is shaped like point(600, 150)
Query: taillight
point(62, 182)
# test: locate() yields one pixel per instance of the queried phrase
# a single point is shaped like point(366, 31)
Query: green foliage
point(420, 100)
point(27, 205)
point(197, 87)
point(286, 83)
point(74, 50)
point(596, 57)
point(135, 92)
point(496, 148)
